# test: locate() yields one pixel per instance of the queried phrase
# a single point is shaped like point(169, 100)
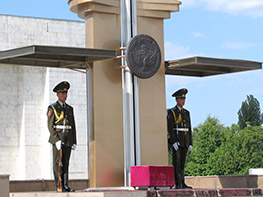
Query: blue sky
point(223, 29)
point(212, 28)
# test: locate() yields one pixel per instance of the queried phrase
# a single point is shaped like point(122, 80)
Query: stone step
point(148, 193)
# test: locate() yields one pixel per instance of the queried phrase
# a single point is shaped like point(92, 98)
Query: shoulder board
point(53, 104)
point(173, 108)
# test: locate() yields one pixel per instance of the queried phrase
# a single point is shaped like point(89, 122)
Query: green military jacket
point(179, 126)
point(56, 115)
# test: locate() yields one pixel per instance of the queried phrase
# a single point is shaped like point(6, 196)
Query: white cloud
point(253, 8)
point(237, 45)
point(198, 35)
point(175, 51)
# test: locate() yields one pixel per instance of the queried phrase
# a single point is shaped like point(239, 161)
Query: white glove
point(58, 144)
point(176, 146)
point(73, 147)
point(190, 148)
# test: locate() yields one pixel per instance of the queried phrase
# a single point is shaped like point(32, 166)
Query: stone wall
point(26, 92)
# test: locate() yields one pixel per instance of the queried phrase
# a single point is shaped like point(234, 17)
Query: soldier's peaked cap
point(180, 93)
point(62, 86)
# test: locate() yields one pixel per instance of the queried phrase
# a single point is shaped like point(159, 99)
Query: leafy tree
point(242, 150)
point(224, 161)
point(249, 113)
point(208, 137)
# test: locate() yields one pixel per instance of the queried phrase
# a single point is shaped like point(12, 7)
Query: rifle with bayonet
point(60, 165)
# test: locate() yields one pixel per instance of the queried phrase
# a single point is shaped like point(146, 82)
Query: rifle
point(59, 189)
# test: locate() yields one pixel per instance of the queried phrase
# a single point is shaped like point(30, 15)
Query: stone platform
point(239, 185)
point(149, 193)
point(204, 182)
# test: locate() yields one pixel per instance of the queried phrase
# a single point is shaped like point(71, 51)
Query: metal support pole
point(131, 127)
point(136, 91)
point(90, 136)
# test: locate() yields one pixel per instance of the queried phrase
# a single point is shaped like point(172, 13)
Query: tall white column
point(131, 127)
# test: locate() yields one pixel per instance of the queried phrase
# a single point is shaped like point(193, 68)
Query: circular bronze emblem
point(143, 56)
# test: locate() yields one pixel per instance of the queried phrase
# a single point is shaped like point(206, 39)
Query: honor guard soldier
point(179, 128)
point(61, 125)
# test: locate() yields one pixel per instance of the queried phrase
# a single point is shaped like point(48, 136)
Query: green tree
point(249, 113)
point(242, 150)
point(225, 159)
point(208, 137)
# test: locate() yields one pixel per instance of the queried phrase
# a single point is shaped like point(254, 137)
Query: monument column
point(150, 20)
point(103, 30)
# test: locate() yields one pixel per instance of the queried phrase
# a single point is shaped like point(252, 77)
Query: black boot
point(56, 179)
point(186, 186)
point(178, 181)
point(65, 181)
point(179, 186)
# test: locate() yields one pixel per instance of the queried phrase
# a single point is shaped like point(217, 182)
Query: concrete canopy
point(204, 66)
point(53, 56)
point(73, 57)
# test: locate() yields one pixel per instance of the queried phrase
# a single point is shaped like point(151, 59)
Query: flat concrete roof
point(54, 56)
point(206, 66)
point(73, 57)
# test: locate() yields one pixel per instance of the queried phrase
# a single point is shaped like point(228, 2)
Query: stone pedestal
point(103, 30)
point(152, 176)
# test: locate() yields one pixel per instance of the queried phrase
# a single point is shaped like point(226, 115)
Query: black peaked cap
point(180, 93)
point(62, 86)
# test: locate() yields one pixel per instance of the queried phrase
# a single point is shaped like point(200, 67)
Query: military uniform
point(61, 125)
point(179, 128)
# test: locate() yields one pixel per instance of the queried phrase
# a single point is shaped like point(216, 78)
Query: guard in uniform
point(61, 125)
point(179, 128)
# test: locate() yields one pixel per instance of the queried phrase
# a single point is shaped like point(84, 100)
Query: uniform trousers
point(66, 151)
point(179, 157)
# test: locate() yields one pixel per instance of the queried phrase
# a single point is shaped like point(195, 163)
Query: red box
point(152, 176)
